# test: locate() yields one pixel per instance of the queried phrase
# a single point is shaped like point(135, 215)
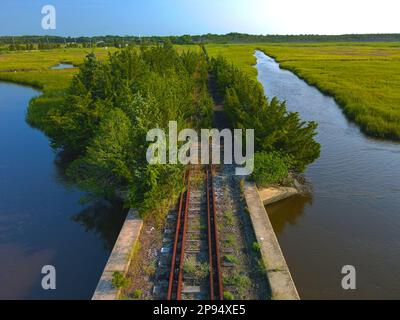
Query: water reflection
point(288, 212)
point(104, 219)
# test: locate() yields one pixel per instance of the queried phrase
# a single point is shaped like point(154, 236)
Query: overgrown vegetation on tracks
point(102, 120)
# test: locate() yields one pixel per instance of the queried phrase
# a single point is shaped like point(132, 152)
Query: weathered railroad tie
point(189, 242)
point(216, 288)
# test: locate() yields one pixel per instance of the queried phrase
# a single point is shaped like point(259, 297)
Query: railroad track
point(195, 267)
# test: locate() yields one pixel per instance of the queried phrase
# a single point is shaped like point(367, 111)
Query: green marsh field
point(363, 78)
point(34, 67)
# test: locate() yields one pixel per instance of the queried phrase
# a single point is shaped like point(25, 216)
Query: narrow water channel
point(353, 214)
point(41, 219)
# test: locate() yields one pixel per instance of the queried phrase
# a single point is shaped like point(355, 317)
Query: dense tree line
point(276, 129)
point(248, 38)
point(17, 47)
point(103, 119)
point(122, 41)
point(31, 46)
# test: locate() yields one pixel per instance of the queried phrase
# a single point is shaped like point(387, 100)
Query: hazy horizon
point(179, 35)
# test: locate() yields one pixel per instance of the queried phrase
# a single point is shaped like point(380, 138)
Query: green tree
point(270, 168)
point(105, 168)
point(276, 129)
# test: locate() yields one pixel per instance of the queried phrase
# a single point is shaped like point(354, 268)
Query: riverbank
point(344, 73)
point(351, 216)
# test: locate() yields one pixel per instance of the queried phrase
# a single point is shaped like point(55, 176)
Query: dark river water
point(353, 214)
point(41, 219)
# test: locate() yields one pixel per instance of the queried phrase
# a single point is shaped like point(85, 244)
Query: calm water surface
point(41, 220)
point(353, 214)
point(63, 66)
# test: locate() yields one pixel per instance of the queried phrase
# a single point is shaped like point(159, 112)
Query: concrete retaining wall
point(280, 279)
point(274, 194)
point(120, 257)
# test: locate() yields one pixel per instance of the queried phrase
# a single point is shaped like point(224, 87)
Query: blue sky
point(168, 17)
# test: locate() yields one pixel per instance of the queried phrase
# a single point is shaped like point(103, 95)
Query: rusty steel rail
point(216, 286)
point(183, 243)
point(175, 276)
point(175, 284)
point(209, 238)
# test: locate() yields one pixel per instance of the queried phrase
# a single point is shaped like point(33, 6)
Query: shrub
point(195, 269)
point(261, 266)
point(228, 296)
point(137, 294)
point(270, 168)
point(238, 280)
point(119, 281)
point(256, 247)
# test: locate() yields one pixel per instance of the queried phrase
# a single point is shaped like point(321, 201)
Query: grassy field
point(363, 78)
point(240, 55)
point(34, 67)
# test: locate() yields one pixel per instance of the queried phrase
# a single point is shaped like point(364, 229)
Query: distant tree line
point(122, 41)
point(31, 46)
